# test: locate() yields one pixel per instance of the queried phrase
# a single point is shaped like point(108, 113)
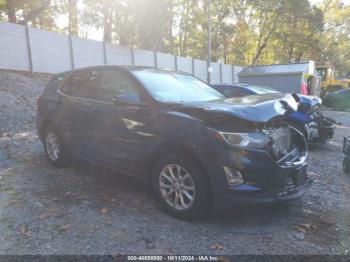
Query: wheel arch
point(47, 123)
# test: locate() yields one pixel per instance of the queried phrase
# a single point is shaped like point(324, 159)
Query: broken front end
point(252, 154)
point(321, 128)
point(266, 164)
point(318, 128)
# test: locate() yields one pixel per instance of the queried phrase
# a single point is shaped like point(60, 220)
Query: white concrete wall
point(200, 69)
point(50, 53)
point(144, 57)
point(184, 64)
point(215, 75)
point(87, 52)
point(13, 47)
point(165, 61)
point(118, 55)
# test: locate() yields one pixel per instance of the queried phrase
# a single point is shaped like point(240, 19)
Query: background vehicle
point(329, 83)
point(339, 100)
point(310, 121)
point(173, 130)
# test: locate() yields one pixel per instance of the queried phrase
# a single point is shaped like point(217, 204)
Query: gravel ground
point(85, 210)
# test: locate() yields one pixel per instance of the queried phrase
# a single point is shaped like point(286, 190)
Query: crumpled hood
point(255, 108)
point(309, 101)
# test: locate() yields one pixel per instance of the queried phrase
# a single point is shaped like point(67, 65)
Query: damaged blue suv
point(196, 147)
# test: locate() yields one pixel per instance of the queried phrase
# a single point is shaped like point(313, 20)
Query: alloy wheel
point(177, 186)
point(52, 146)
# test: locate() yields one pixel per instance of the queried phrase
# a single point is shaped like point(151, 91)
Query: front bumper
point(320, 132)
point(250, 194)
point(265, 179)
point(321, 129)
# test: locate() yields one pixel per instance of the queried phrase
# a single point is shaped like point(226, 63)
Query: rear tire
point(55, 149)
point(181, 186)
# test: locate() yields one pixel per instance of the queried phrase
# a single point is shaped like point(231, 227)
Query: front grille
point(280, 140)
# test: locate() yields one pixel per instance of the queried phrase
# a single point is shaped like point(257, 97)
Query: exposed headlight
point(253, 140)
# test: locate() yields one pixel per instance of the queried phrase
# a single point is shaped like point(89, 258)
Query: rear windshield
point(176, 87)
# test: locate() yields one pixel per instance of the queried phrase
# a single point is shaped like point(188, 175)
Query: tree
point(244, 32)
point(335, 39)
point(267, 16)
point(10, 6)
point(34, 11)
point(73, 17)
point(298, 36)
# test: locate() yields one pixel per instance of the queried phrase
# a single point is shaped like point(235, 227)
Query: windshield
point(176, 87)
point(262, 90)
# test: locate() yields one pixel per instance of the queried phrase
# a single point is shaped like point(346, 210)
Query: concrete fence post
point(29, 48)
point(221, 78)
point(175, 61)
point(105, 60)
point(193, 69)
point(233, 73)
point(155, 59)
point(71, 51)
point(132, 56)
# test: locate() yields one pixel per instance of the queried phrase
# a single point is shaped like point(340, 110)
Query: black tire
point(201, 203)
point(63, 158)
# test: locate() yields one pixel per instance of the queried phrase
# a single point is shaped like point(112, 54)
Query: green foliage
point(244, 32)
point(335, 42)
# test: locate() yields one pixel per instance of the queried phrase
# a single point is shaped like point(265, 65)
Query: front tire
point(181, 186)
point(55, 150)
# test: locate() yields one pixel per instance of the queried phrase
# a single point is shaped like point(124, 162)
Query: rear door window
point(116, 83)
point(83, 84)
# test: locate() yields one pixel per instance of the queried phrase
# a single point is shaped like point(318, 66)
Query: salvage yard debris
point(64, 228)
point(305, 228)
point(24, 230)
point(104, 211)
